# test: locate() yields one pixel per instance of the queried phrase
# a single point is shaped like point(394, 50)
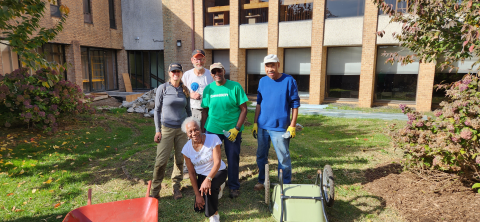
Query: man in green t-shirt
point(225, 109)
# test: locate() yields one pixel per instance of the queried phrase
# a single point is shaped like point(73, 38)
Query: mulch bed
point(107, 102)
point(434, 197)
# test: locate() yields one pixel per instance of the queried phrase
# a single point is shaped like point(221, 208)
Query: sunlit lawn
point(43, 177)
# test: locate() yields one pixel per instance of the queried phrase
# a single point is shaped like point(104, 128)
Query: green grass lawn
point(43, 177)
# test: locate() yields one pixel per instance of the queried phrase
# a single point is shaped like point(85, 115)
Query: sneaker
point(258, 187)
point(215, 218)
point(220, 194)
point(156, 197)
point(177, 194)
point(234, 193)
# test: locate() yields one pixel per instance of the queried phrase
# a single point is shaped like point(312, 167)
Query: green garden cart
point(301, 202)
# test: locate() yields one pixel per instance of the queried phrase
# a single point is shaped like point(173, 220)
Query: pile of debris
point(144, 104)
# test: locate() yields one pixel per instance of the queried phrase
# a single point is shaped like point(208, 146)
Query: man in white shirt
point(196, 79)
point(198, 75)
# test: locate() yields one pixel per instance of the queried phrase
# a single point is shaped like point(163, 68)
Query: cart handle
point(89, 202)
point(148, 188)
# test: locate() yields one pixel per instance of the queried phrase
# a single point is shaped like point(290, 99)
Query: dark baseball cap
point(198, 52)
point(175, 66)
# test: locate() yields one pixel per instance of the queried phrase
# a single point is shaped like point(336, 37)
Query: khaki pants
point(171, 138)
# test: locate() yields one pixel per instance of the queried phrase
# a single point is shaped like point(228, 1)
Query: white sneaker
point(215, 218)
point(220, 194)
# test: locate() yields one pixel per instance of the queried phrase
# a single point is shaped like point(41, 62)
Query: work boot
point(259, 187)
point(177, 194)
point(156, 197)
point(234, 193)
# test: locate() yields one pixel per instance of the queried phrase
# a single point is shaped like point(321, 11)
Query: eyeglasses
point(215, 71)
point(176, 71)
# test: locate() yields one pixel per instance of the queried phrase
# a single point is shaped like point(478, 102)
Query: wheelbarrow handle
point(148, 188)
point(89, 202)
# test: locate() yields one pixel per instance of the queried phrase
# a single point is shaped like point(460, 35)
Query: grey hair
point(187, 121)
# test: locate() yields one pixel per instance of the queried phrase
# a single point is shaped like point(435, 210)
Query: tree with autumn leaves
point(42, 98)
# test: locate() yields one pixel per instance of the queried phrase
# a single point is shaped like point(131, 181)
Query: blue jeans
point(232, 151)
point(281, 148)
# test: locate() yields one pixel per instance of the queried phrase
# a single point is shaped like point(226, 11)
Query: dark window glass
point(87, 11)
point(253, 12)
point(99, 68)
point(444, 78)
point(111, 13)
point(146, 69)
point(55, 9)
point(344, 8)
point(216, 12)
point(342, 86)
point(398, 6)
point(295, 10)
point(396, 87)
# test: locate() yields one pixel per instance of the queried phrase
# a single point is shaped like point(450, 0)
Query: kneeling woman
point(206, 169)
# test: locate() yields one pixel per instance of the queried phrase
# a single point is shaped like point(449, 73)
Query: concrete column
point(426, 76)
point(273, 8)
point(237, 56)
point(319, 54)
point(73, 56)
point(369, 55)
point(199, 14)
point(122, 67)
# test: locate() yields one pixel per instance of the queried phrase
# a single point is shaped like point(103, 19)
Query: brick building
point(328, 46)
point(91, 43)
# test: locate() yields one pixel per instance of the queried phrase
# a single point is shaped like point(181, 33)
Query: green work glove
point(255, 130)
point(292, 131)
point(233, 134)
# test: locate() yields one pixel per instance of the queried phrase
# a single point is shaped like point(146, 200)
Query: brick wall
point(319, 54)
point(369, 55)
point(426, 75)
point(237, 56)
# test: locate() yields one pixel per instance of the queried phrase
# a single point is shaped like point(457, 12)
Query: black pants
point(211, 201)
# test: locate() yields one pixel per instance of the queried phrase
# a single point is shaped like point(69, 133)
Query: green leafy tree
point(20, 26)
point(444, 31)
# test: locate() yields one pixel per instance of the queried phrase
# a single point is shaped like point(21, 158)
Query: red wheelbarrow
point(143, 209)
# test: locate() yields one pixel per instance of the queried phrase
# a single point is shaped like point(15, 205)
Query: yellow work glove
point(233, 134)
point(292, 131)
point(255, 130)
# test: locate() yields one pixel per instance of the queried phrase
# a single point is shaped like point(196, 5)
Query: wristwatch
point(237, 128)
point(209, 178)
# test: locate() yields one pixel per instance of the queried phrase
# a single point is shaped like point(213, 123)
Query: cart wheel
point(328, 188)
point(267, 185)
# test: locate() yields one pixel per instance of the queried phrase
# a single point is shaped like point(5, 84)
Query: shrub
point(39, 99)
point(450, 140)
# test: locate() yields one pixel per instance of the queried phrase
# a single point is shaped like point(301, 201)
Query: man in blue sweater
point(277, 94)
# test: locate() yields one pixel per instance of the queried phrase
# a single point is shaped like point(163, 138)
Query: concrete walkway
point(307, 109)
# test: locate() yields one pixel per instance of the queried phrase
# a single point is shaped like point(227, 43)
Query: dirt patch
point(423, 198)
point(107, 102)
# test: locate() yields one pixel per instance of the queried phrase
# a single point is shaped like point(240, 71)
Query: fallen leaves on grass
point(10, 194)
point(59, 216)
point(57, 205)
point(34, 190)
point(48, 181)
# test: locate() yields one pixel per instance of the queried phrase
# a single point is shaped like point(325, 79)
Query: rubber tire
point(329, 195)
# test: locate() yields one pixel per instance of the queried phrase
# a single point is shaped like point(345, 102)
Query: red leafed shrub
point(450, 140)
point(39, 99)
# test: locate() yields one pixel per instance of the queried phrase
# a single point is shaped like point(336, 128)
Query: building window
point(255, 68)
point(111, 13)
point(344, 8)
point(223, 56)
point(297, 64)
point(295, 10)
point(87, 11)
point(53, 53)
point(99, 68)
point(395, 82)
point(55, 9)
point(397, 6)
point(146, 69)
point(343, 72)
point(8, 58)
point(253, 11)
point(216, 12)
point(446, 77)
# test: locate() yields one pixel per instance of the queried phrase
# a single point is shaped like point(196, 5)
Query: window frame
point(87, 12)
point(111, 14)
point(57, 13)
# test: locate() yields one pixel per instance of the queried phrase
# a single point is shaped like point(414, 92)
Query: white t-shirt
point(203, 159)
point(189, 77)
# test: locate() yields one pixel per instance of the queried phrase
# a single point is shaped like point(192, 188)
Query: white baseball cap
point(270, 58)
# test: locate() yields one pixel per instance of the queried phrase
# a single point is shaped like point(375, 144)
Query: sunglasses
point(176, 71)
point(215, 71)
